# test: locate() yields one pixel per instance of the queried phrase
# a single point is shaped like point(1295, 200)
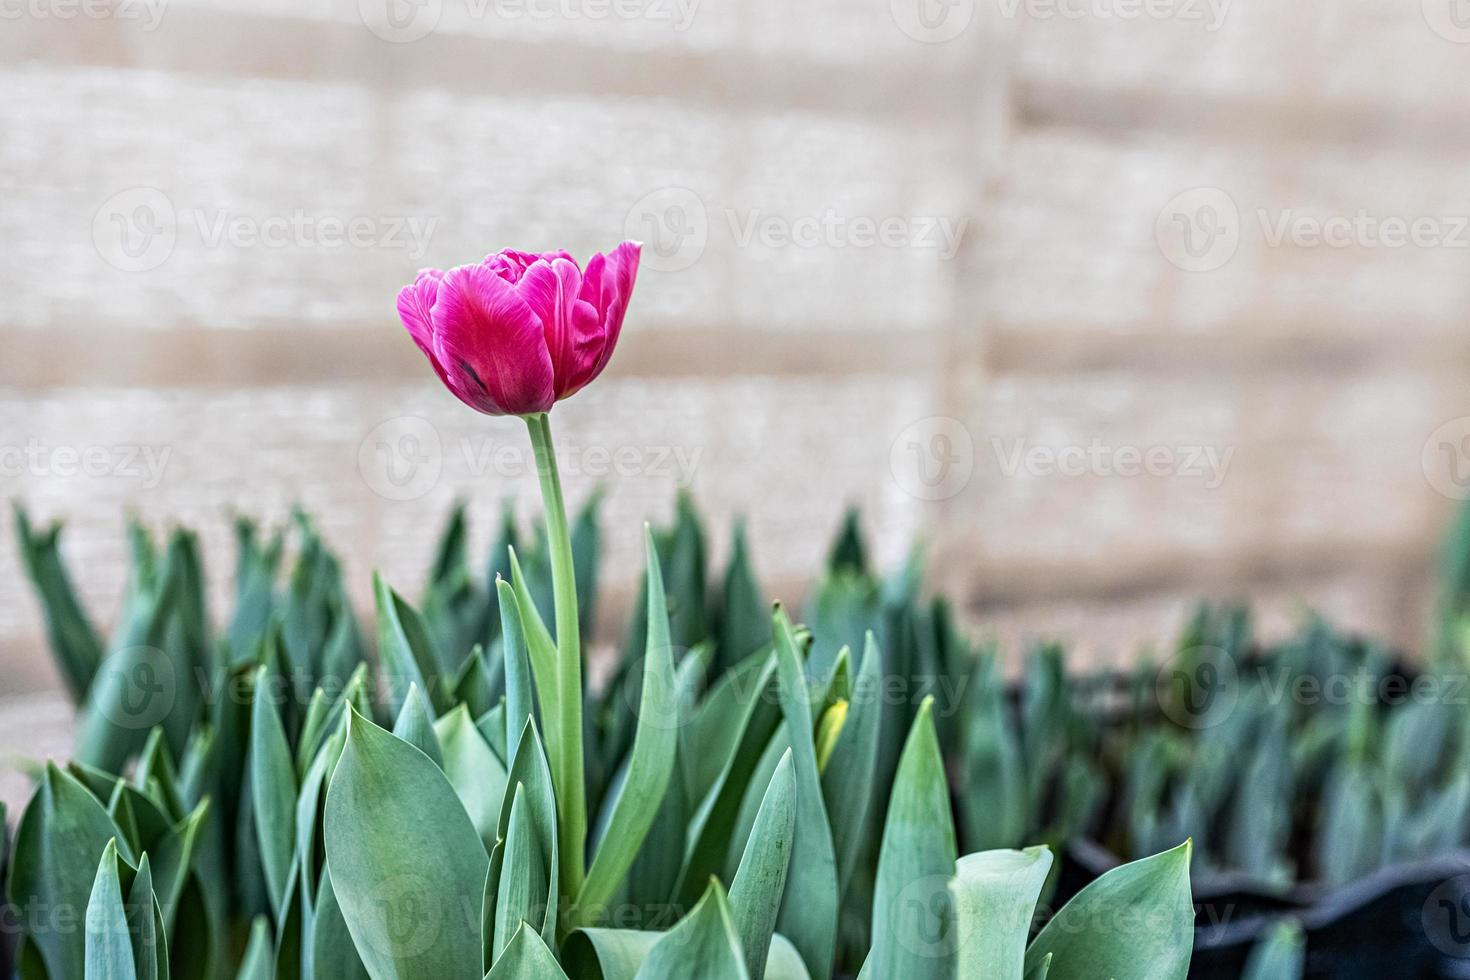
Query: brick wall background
point(919, 255)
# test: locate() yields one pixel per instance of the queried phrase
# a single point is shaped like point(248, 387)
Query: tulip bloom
point(520, 331)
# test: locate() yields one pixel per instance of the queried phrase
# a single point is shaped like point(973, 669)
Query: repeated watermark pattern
point(145, 464)
point(1201, 229)
point(138, 229)
point(1204, 463)
point(1445, 459)
point(404, 458)
point(147, 15)
point(406, 21)
point(675, 225)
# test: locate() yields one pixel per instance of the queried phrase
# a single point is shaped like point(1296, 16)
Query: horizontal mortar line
point(225, 44)
point(1048, 102)
point(1043, 349)
point(994, 586)
point(272, 356)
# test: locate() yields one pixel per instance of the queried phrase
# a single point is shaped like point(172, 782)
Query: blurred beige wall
point(1115, 303)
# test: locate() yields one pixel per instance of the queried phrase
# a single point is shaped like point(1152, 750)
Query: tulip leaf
point(333, 955)
point(755, 892)
point(703, 946)
point(259, 961)
point(474, 771)
point(1092, 937)
point(913, 920)
point(995, 895)
point(808, 915)
point(1280, 955)
point(415, 725)
point(522, 886)
point(651, 764)
point(847, 779)
point(109, 950)
point(519, 686)
point(62, 834)
point(526, 957)
point(406, 862)
point(272, 792)
point(405, 647)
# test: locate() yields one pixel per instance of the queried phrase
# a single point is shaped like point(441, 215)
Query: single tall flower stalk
point(513, 335)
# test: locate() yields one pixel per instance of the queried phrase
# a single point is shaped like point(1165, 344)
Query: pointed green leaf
point(995, 895)
point(755, 894)
point(415, 725)
point(406, 863)
point(272, 791)
point(109, 950)
point(651, 764)
point(1134, 923)
point(703, 946)
point(526, 958)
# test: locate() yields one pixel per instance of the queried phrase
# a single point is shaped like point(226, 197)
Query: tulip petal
point(573, 331)
point(491, 343)
point(415, 301)
point(606, 287)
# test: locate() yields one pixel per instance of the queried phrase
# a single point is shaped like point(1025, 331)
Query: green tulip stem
point(565, 746)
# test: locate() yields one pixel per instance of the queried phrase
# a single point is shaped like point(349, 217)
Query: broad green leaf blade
point(176, 854)
point(703, 946)
point(651, 764)
point(260, 959)
point(616, 954)
point(808, 915)
point(415, 725)
point(333, 955)
point(1281, 955)
point(474, 771)
point(62, 835)
point(755, 894)
point(406, 862)
point(109, 950)
point(526, 958)
point(995, 895)
point(272, 792)
point(1134, 923)
point(530, 771)
point(913, 921)
point(145, 926)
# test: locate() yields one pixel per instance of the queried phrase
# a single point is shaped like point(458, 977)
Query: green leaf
point(75, 644)
point(526, 958)
point(415, 725)
point(145, 927)
point(272, 792)
point(1280, 955)
point(519, 689)
point(260, 959)
point(406, 862)
point(652, 762)
point(530, 771)
point(847, 779)
point(995, 895)
point(109, 950)
point(755, 894)
point(913, 921)
point(808, 914)
point(703, 946)
point(477, 775)
point(62, 834)
point(1134, 923)
point(333, 955)
point(745, 624)
point(405, 647)
point(523, 885)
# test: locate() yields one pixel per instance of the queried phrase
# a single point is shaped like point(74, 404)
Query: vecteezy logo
point(933, 458)
point(401, 21)
point(1198, 687)
point(140, 684)
point(401, 459)
point(135, 230)
point(1450, 19)
point(673, 226)
point(1199, 230)
point(1446, 917)
point(1445, 459)
point(932, 21)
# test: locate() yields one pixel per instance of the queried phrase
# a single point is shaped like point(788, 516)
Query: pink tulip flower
point(520, 331)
